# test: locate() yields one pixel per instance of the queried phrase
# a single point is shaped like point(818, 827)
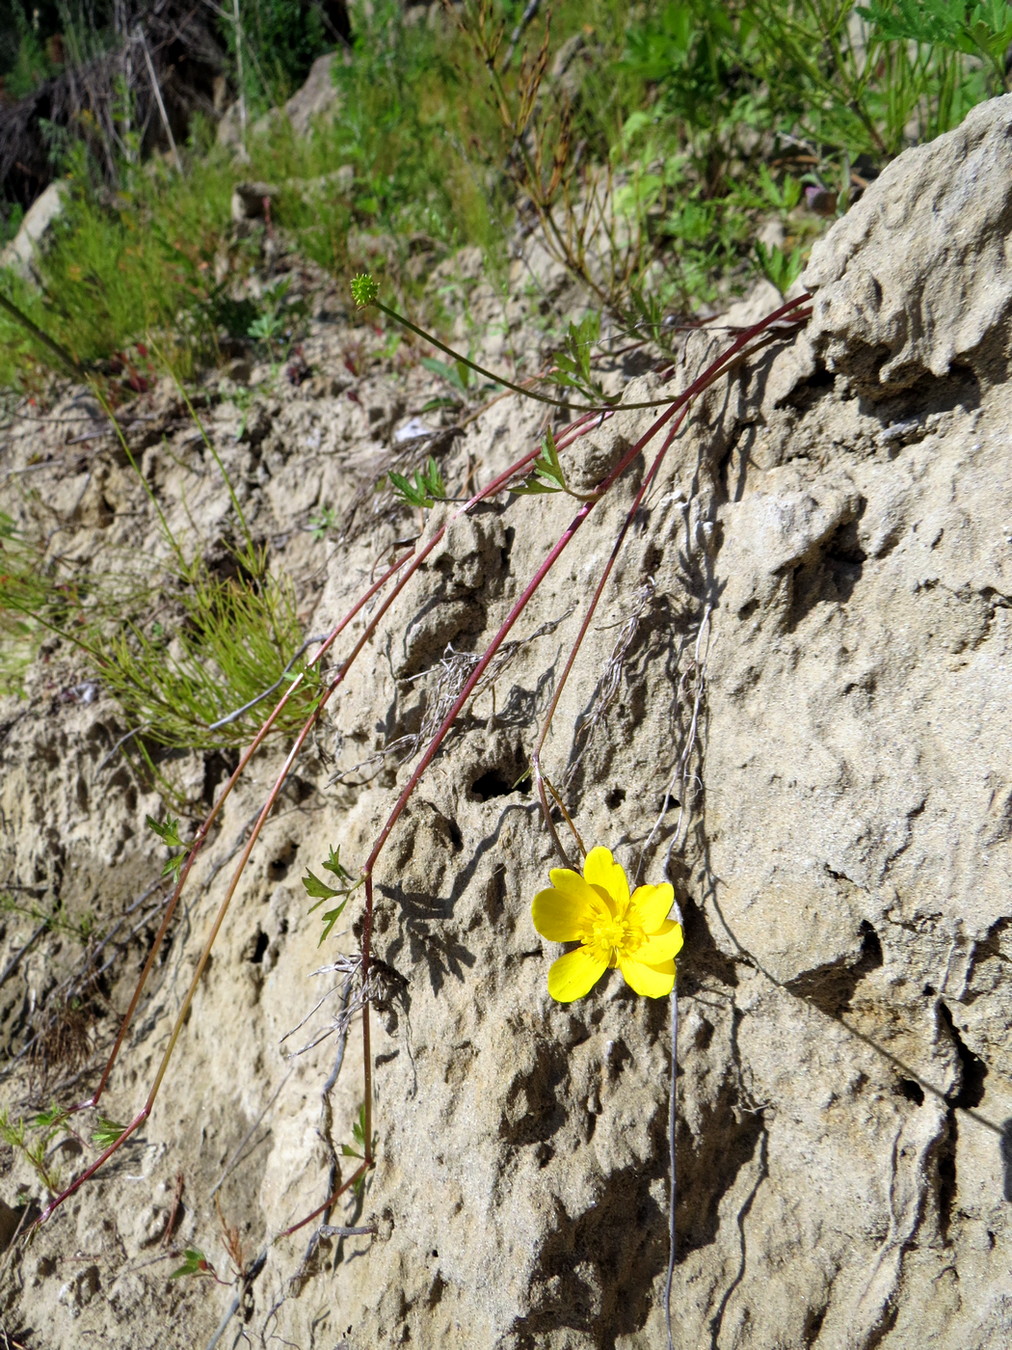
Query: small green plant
point(194, 1263)
point(571, 367)
point(31, 1138)
point(106, 1132)
point(55, 920)
point(459, 376)
point(168, 833)
point(778, 266)
point(275, 325)
point(322, 523)
point(546, 474)
point(321, 891)
point(359, 1132)
point(428, 486)
point(25, 591)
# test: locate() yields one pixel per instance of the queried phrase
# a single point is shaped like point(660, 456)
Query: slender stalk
point(407, 565)
point(546, 725)
point(672, 1163)
point(525, 390)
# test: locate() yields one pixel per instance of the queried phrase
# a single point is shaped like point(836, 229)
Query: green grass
point(677, 133)
point(179, 644)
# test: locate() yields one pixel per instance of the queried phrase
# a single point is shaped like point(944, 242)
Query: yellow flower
point(612, 927)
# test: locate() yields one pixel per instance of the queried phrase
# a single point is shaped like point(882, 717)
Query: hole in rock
point(495, 783)
point(614, 798)
point(974, 1070)
point(278, 867)
point(912, 1091)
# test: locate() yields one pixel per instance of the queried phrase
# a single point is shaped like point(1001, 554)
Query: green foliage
point(572, 365)
point(106, 1132)
point(221, 642)
point(279, 40)
point(650, 172)
point(358, 1149)
point(113, 276)
point(168, 833)
point(419, 139)
point(321, 891)
point(749, 102)
point(55, 920)
point(278, 318)
point(459, 376)
point(425, 490)
point(782, 268)
point(32, 1138)
point(547, 474)
point(181, 645)
point(981, 29)
point(24, 591)
point(23, 60)
point(322, 523)
point(194, 1263)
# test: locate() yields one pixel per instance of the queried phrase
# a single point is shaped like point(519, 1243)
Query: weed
point(427, 488)
point(321, 891)
point(31, 1137)
point(275, 325)
point(322, 523)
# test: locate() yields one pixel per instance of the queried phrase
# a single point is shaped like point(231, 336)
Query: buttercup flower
point(612, 927)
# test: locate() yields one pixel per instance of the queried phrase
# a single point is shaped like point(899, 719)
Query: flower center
point(612, 938)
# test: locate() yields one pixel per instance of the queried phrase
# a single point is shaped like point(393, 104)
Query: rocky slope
point(795, 698)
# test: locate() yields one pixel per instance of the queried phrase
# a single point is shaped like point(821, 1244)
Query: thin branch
point(158, 99)
point(234, 716)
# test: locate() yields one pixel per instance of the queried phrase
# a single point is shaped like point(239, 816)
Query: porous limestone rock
point(795, 698)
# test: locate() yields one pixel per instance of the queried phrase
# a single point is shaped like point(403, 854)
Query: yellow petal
point(654, 981)
point(601, 869)
point(662, 946)
point(571, 883)
point(574, 975)
point(650, 905)
point(561, 916)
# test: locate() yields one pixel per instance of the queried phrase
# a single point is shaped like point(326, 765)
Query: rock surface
point(795, 698)
point(20, 254)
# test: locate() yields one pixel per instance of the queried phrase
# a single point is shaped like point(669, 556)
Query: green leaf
point(321, 891)
point(330, 918)
point(168, 832)
point(427, 486)
point(781, 268)
point(53, 1117)
point(334, 865)
point(546, 466)
point(414, 496)
point(194, 1263)
point(532, 488)
point(107, 1132)
point(433, 479)
point(318, 889)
